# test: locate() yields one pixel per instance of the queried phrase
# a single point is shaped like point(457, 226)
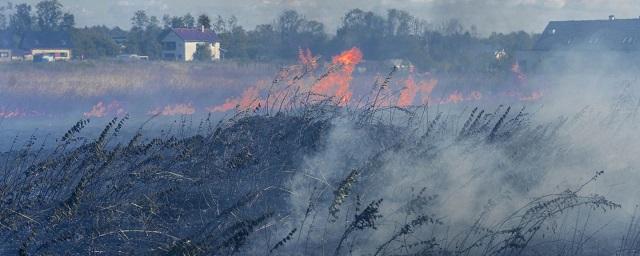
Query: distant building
point(51, 45)
point(131, 57)
point(119, 37)
point(595, 39)
point(181, 43)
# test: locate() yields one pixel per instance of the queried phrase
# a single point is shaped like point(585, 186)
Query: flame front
point(338, 80)
point(100, 110)
point(6, 114)
point(534, 96)
point(250, 98)
point(408, 94)
point(515, 68)
point(411, 90)
point(307, 59)
point(174, 110)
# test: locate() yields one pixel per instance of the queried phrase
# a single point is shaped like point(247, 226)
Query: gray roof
point(196, 35)
point(47, 40)
point(612, 34)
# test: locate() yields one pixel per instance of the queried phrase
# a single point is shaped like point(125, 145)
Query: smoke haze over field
point(486, 15)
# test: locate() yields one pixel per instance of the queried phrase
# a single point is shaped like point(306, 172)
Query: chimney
point(612, 17)
point(202, 28)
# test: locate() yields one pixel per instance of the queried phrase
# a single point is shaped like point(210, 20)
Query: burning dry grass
point(143, 88)
point(298, 172)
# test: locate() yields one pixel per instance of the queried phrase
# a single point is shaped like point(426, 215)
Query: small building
point(52, 45)
point(592, 40)
point(181, 43)
point(119, 37)
point(131, 57)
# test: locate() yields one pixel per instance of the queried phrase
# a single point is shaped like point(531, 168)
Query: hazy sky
point(487, 15)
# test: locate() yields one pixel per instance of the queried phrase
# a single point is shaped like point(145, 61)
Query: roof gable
point(196, 35)
point(613, 34)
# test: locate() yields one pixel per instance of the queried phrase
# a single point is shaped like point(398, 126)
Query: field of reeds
point(297, 172)
point(69, 90)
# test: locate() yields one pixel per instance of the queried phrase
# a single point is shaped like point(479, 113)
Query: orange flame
point(307, 59)
point(249, 99)
point(411, 89)
point(426, 87)
point(534, 96)
point(173, 110)
point(101, 110)
point(337, 83)
point(475, 95)
point(6, 114)
point(455, 97)
point(515, 68)
point(408, 94)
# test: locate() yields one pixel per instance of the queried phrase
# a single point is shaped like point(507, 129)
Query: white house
point(181, 43)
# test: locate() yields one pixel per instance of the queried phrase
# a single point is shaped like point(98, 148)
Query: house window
point(4, 55)
point(169, 46)
point(63, 55)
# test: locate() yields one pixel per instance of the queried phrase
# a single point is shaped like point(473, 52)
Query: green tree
point(220, 26)
point(144, 36)
point(94, 42)
point(296, 32)
point(3, 16)
point(21, 21)
point(189, 21)
point(3, 21)
point(264, 43)
point(361, 29)
point(140, 19)
point(68, 21)
point(203, 53)
point(204, 21)
point(49, 15)
point(178, 22)
point(236, 43)
point(401, 23)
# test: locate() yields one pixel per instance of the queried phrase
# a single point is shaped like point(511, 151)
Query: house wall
point(215, 51)
point(59, 54)
point(191, 48)
point(178, 53)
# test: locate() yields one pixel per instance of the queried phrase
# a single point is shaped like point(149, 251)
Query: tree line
point(447, 46)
